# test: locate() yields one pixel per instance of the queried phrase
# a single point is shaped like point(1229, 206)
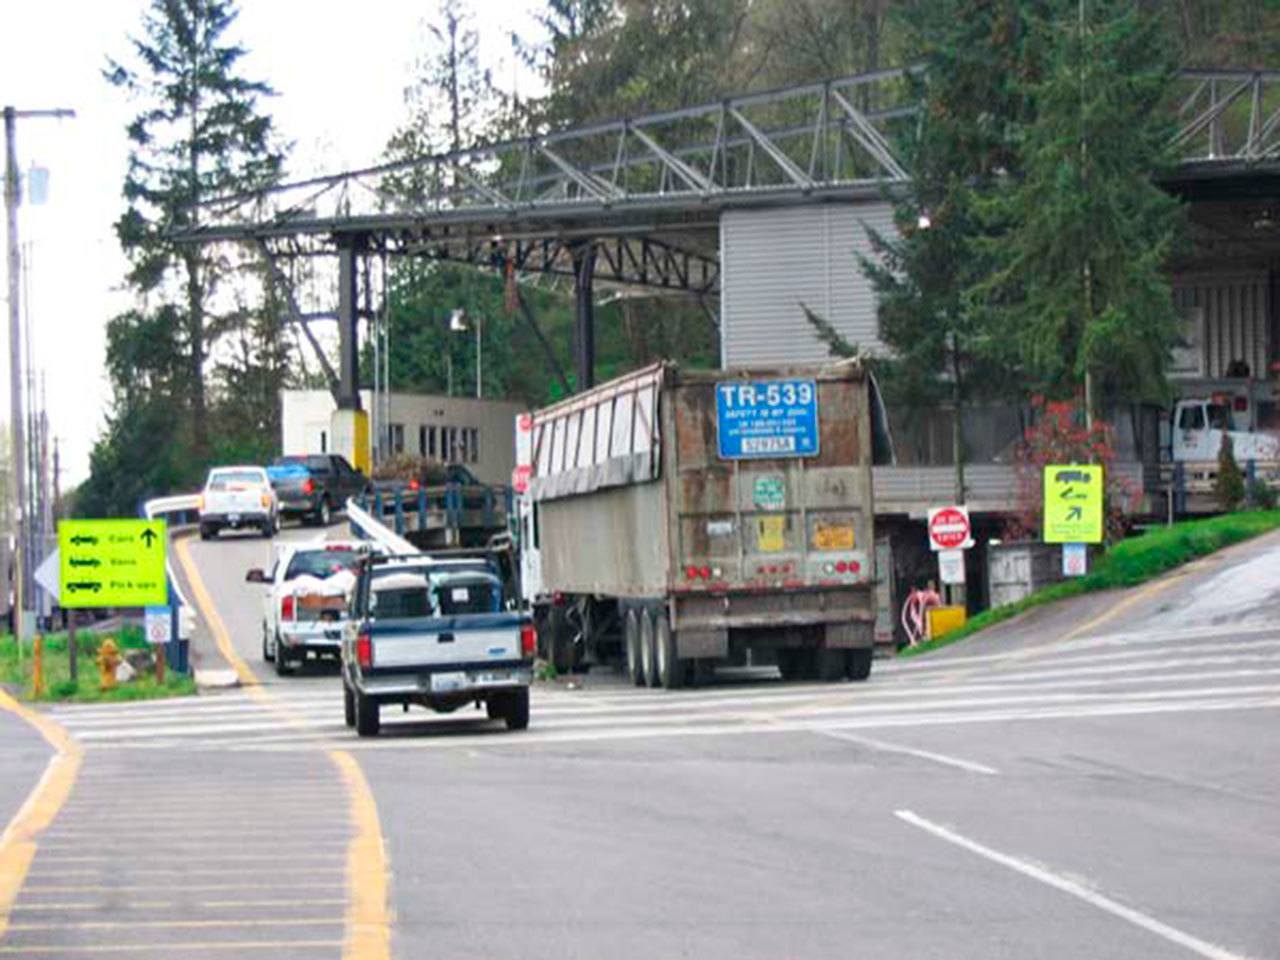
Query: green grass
point(15, 671)
point(1128, 564)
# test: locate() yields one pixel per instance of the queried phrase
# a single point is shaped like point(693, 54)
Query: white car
point(238, 498)
point(307, 596)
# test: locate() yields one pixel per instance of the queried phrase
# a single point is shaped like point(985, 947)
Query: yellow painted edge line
point(18, 842)
point(368, 920)
point(209, 610)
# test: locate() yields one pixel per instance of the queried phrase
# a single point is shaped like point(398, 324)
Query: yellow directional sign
point(112, 563)
point(1073, 503)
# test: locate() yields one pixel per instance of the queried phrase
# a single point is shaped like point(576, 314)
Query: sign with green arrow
point(112, 563)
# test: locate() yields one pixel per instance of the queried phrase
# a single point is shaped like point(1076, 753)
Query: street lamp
point(458, 324)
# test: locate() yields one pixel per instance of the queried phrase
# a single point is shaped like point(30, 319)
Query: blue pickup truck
point(439, 632)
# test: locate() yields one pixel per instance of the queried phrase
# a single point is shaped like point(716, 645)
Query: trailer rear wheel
point(829, 664)
point(858, 663)
point(648, 650)
point(670, 669)
point(560, 641)
point(631, 637)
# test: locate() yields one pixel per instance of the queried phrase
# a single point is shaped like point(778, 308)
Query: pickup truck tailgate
point(442, 642)
point(245, 500)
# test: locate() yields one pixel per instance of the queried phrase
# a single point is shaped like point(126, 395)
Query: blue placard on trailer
point(767, 418)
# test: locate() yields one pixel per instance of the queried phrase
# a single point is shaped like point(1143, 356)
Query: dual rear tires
point(652, 656)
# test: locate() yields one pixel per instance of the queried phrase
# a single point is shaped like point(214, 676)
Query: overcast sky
point(339, 68)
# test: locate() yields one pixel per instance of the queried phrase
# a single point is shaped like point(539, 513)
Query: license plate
point(445, 682)
point(233, 517)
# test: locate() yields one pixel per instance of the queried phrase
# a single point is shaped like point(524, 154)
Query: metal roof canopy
point(637, 201)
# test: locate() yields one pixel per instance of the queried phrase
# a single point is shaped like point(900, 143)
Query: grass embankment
point(16, 670)
point(1127, 564)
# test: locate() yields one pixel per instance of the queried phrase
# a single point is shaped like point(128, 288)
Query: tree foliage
point(1085, 232)
point(198, 132)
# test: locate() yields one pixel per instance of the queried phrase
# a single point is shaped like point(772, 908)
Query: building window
point(324, 441)
point(397, 438)
point(473, 445)
point(422, 441)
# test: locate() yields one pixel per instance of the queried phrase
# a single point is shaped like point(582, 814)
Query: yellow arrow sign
point(112, 563)
point(1073, 496)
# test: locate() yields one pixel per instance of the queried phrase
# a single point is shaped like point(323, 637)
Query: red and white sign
point(949, 528)
point(520, 478)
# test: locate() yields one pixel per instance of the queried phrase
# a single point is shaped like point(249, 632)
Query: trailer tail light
point(286, 607)
point(414, 485)
point(308, 485)
point(691, 572)
point(364, 651)
point(528, 640)
point(842, 566)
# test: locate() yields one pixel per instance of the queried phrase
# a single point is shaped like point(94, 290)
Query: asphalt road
point(1099, 780)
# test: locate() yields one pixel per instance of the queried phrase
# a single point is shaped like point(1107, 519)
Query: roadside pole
point(73, 666)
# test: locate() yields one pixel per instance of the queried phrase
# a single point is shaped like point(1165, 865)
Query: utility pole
point(12, 197)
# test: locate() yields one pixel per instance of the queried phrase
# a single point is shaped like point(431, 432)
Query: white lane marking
point(441, 740)
point(676, 707)
point(1059, 882)
point(957, 698)
point(945, 759)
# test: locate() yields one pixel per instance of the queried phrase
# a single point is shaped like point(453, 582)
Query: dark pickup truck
point(313, 486)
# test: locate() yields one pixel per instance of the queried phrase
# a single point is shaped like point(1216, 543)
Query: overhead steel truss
point(1228, 117)
point(803, 141)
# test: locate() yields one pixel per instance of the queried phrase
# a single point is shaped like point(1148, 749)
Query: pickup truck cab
point(437, 632)
point(238, 498)
point(313, 486)
point(1198, 426)
point(306, 600)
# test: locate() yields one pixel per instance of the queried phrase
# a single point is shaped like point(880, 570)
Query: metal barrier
point(180, 512)
point(368, 527)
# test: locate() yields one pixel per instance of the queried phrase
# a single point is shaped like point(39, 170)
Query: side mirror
point(256, 575)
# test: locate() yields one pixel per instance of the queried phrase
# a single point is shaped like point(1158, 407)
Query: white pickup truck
point(306, 601)
point(237, 498)
point(1198, 425)
point(437, 632)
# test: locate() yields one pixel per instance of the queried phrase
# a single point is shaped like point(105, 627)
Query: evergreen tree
point(1228, 484)
point(1080, 286)
point(198, 134)
point(976, 61)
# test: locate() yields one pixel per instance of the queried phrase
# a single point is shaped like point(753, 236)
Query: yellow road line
point(18, 842)
point(368, 935)
point(368, 920)
point(209, 611)
point(181, 946)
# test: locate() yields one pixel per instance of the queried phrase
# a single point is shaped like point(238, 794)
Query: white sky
point(339, 69)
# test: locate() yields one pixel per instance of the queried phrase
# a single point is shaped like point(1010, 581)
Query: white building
point(478, 433)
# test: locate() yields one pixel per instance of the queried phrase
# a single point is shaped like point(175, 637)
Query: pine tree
point(976, 60)
point(1080, 286)
point(1228, 484)
point(198, 134)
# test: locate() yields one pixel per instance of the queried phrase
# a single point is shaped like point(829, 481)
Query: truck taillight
point(364, 650)
point(308, 486)
point(200, 503)
point(286, 608)
point(528, 640)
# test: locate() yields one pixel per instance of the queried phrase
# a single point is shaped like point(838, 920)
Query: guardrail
point(1190, 482)
point(180, 512)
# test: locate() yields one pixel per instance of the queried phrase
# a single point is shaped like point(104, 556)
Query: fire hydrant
point(108, 659)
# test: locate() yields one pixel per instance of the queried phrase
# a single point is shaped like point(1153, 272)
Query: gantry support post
point(584, 268)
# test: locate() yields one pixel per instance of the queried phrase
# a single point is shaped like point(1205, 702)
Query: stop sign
point(949, 528)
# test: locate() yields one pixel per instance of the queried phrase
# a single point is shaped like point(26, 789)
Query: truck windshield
point(404, 592)
point(1219, 417)
point(321, 563)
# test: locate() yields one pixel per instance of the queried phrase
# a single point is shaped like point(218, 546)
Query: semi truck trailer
point(676, 520)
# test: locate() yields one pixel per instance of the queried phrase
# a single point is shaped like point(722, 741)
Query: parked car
point(437, 632)
point(313, 486)
point(307, 596)
point(237, 498)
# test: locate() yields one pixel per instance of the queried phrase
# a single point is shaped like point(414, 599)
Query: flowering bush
point(1058, 435)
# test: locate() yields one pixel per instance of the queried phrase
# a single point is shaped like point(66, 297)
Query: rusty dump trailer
point(685, 519)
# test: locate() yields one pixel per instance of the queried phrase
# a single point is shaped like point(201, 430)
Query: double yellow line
point(368, 918)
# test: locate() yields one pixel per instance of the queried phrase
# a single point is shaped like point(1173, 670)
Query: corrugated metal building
point(773, 260)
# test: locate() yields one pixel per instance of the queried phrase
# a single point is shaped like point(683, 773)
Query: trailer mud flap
point(702, 643)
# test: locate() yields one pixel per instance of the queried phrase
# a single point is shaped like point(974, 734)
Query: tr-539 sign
point(767, 418)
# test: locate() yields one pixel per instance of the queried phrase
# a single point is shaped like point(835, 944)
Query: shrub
point(1228, 485)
